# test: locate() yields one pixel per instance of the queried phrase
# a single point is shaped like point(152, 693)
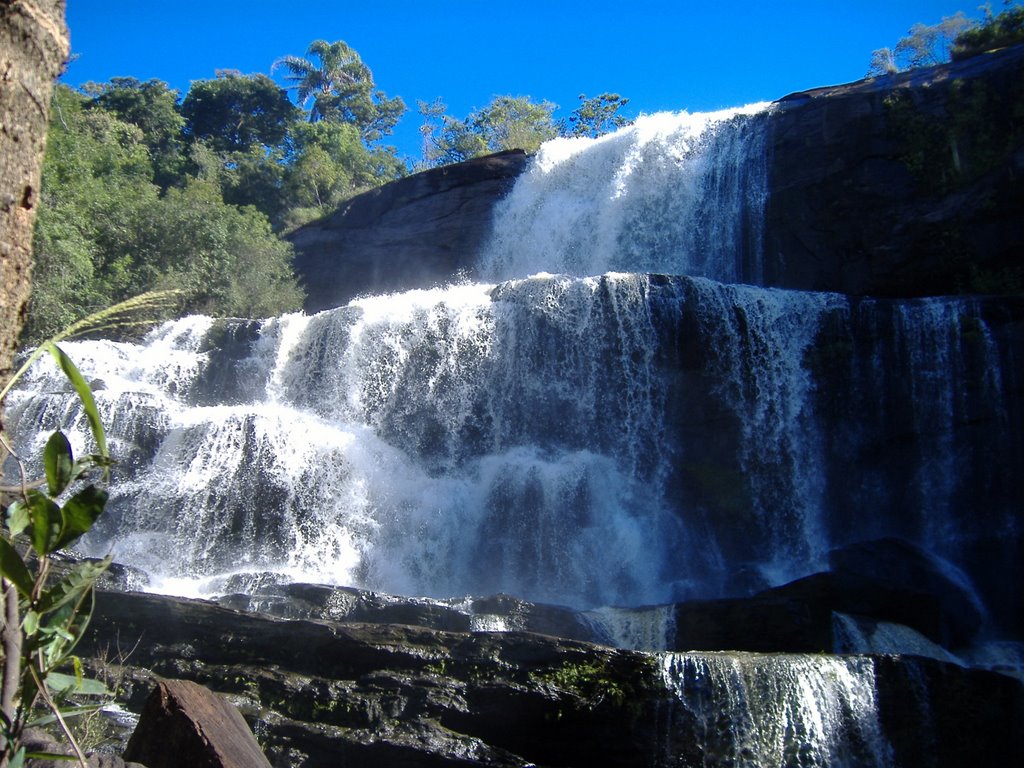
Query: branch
point(45, 693)
point(10, 635)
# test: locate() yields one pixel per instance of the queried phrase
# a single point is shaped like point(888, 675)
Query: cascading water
point(676, 193)
point(591, 441)
point(762, 711)
point(622, 439)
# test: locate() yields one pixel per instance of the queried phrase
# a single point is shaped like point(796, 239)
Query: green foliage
point(104, 231)
point(596, 116)
point(999, 31)
point(230, 263)
point(329, 163)
point(508, 122)
point(341, 88)
point(153, 108)
point(235, 112)
point(978, 130)
point(141, 192)
point(592, 682)
point(44, 618)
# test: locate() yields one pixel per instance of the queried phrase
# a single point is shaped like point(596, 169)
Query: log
point(185, 724)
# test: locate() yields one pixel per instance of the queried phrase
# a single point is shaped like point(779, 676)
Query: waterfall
point(616, 440)
point(677, 193)
point(643, 427)
point(772, 710)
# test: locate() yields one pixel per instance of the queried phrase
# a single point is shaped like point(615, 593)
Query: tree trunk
point(34, 45)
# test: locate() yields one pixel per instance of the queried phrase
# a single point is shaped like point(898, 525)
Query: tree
point(924, 46)
point(508, 122)
point(33, 48)
point(341, 88)
point(230, 264)
point(34, 45)
point(153, 107)
point(105, 232)
point(596, 116)
point(96, 178)
point(1004, 29)
point(328, 163)
point(447, 140)
point(236, 112)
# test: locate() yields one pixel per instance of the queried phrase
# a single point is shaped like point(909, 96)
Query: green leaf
point(84, 394)
point(59, 463)
point(72, 587)
point(67, 713)
point(80, 512)
point(47, 522)
point(19, 758)
point(30, 624)
point(47, 755)
point(14, 568)
point(58, 682)
point(18, 517)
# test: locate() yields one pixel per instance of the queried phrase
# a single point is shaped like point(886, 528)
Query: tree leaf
point(30, 624)
point(80, 512)
point(47, 522)
point(84, 394)
point(58, 682)
point(58, 462)
point(14, 568)
point(67, 713)
point(55, 756)
point(73, 586)
point(18, 517)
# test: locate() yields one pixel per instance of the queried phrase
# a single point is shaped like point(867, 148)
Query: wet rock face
point(413, 233)
point(904, 185)
point(321, 693)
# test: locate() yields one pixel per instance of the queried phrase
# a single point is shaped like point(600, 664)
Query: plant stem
point(45, 693)
point(10, 635)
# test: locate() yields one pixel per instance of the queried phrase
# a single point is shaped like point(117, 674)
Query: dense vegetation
point(144, 189)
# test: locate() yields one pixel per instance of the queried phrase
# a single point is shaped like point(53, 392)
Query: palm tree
point(338, 71)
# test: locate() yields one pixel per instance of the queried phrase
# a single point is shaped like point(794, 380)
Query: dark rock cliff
point(411, 233)
point(905, 185)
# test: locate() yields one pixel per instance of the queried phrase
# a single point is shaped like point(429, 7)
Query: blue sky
point(661, 55)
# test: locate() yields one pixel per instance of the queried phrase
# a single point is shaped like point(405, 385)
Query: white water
point(676, 193)
point(764, 711)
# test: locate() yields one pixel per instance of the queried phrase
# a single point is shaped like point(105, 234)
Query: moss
point(978, 129)
point(596, 682)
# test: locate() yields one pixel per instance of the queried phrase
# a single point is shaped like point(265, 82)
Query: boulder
point(899, 581)
point(183, 723)
point(416, 232)
point(351, 605)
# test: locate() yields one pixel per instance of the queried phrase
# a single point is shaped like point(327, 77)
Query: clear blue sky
point(661, 55)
